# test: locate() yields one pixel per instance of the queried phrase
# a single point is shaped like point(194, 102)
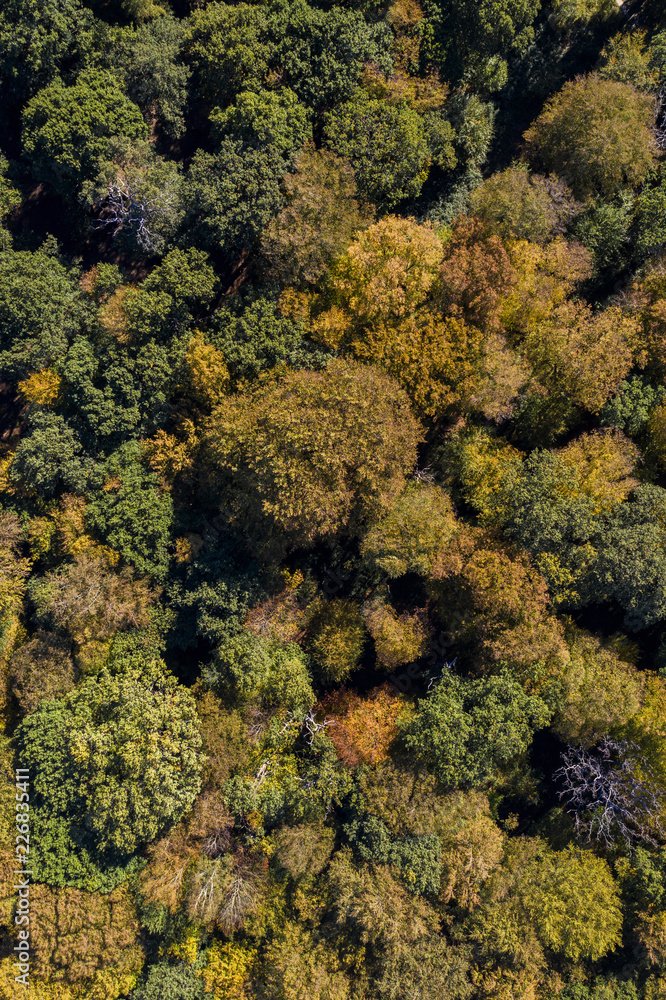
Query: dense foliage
point(333, 498)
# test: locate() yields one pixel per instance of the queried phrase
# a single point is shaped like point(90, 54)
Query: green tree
point(232, 195)
point(168, 981)
point(126, 752)
point(308, 456)
point(254, 336)
point(133, 515)
point(147, 59)
point(476, 38)
point(631, 556)
point(386, 144)
point(175, 292)
point(38, 39)
point(270, 118)
point(632, 406)
point(249, 668)
point(649, 230)
point(66, 129)
point(226, 46)
point(595, 134)
point(466, 729)
point(51, 458)
point(320, 53)
point(41, 310)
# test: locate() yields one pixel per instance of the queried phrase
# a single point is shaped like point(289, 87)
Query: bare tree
point(609, 792)
point(131, 207)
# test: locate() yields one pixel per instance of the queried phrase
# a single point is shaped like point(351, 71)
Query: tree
point(168, 981)
point(627, 59)
point(335, 639)
point(147, 58)
point(387, 271)
point(252, 669)
point(503, 612)
point(180, 288)
point(307, 455)
point(320, 53)
point(608, 791)
point(51, 458)
point(82, 935)
point(386, 144)
point(476, 275)
point(600, 691)
point(138, 195)
point(133, 515)
point(565, 901)
point(630, 559)
point(604, 229)
point(39, 39)
point(256, 334)
point(398, 639)
point(41, 669)
point(515, 204)
point(632, 407)
point(270, 118)
point(41, 310)
point(477, 38)
point(415, 535)
point(226, 46)
point(88, 599)
point(649, 230)
point(466, 729)
point(299, 966)
point(321, 215)
point(232, 195)
point(124, 752)
point(66, 129)
point(595, 133)
point(363, 729)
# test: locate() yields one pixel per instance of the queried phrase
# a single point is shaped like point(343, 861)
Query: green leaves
point(114, 762)
point(466, 729)
point(65, 129)
point(387, 145)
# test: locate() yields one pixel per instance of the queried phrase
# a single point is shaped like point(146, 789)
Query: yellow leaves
point(435, 359)
point(398, 639)
point(600, 691)
point(420, 93)
point(227, 969)
point(583, 354)
point(601, 465)
point(41, 388)
point(208, 373)
point(113, 316)
point(388, 270)
point(169, 455)
point(487, 466)
point(186, 947)
point(546, 276)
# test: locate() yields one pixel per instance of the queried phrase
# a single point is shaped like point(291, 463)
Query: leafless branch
point(608, 791)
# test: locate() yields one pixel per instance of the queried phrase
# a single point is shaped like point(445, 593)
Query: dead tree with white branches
point(608, 791)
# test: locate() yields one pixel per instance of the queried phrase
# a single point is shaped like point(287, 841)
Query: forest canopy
point(333, 499)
